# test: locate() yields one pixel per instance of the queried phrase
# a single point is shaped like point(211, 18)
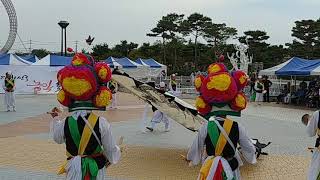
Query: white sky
point(111, 21)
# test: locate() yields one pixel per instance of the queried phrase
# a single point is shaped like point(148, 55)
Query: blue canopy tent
point(53, 60)
point(294, 67)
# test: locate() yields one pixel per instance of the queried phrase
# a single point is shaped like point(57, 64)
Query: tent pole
point(295, 82)
point(291, 85)
point(280, 84)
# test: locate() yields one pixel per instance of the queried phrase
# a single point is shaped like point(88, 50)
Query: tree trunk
point(175, 58)
point(195, 50)
point(199, 57)
point(164, 51)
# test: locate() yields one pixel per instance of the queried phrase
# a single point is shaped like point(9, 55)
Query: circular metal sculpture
point(13, 25)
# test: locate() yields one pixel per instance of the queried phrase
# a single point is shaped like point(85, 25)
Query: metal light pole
point(63, 25)
point(61, 41)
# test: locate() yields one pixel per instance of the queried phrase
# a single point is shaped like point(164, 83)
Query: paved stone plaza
point(27, 151)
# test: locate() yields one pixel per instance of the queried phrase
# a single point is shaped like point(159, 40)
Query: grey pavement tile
point(27, 106)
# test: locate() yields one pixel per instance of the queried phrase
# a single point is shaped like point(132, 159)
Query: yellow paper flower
point(240, 101)
point(103, 72)
point(214, 68)
point(77, 62)
point(76, 86)
point(103, 98)
point(243, 79)
point(61, 96)
point(200, 103)
point(219, 82)
point(198, 82)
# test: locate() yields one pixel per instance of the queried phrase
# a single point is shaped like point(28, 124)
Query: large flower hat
point(221, 91)
point(84, 84)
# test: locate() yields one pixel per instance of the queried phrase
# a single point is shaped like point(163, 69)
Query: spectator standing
point(267, 84)
point(259, 89)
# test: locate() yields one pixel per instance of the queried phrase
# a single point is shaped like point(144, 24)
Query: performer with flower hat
point(90, 145)
point(221, 95)
point(9, 87)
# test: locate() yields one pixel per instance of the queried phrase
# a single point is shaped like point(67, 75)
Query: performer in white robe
point(114, 89)
point(89, 143)
point(259, 89)
point(174, 91)
point(216, 143)
point(313, 126)
point(196, 153)
point(9, 87)
point(110, 150)
point(157, 118)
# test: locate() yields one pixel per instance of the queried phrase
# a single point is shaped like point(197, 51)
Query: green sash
point(87, 164)
point(218, 140)
point(213, 132)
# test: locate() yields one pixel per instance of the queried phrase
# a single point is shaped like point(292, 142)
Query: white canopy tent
point(130, 67)
point(156, 69)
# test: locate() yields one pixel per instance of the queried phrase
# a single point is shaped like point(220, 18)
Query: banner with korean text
point(32, 79)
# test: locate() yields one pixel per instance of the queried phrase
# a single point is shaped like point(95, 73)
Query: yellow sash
point(205, 169)
point(85, 137)
point(222, 141)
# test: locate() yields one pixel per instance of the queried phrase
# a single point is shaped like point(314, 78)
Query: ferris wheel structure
point(13, 25)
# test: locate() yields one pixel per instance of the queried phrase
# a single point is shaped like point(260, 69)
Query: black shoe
point(149, 128)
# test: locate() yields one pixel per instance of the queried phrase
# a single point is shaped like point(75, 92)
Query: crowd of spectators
point(304, 95)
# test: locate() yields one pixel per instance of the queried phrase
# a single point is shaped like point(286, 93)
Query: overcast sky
point(112, 21)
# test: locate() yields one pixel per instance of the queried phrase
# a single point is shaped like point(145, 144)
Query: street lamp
point(63, 25)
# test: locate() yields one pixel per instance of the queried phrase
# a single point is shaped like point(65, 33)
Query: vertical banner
point(32, 79)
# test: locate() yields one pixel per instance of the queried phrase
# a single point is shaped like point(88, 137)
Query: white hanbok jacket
point(196, 155)
point(312, 129)
point(111, 150)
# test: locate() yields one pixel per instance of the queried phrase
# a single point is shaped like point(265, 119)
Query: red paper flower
point(218, 88)
point(69, 49)
point(59, 75)
point(103, 71)
point(102, 98)
point(241, 79)
point(81, 59)
point(78, 82)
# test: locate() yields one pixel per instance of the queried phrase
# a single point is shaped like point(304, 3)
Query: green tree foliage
point(256, 40)
point(101, 51)
point(218, 34)
point(124, 48)
point(191, 43)
point(167, 28)
point(195, 25)
point(40, 53)
point(262, 51)
point(307, 39)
